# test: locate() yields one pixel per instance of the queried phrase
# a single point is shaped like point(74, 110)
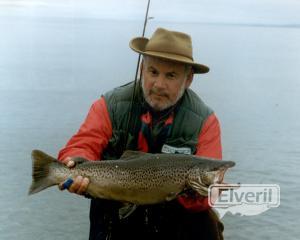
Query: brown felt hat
point(170, 45)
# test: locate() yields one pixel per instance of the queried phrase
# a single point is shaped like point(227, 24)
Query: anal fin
point(126, 210)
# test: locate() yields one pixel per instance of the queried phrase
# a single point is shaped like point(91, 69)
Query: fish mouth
point(216, 176)
point(220, 173)
point(219, 177)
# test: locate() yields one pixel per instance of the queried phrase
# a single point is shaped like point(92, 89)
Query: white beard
point(167, 104)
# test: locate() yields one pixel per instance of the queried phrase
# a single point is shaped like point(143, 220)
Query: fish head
point(214, 174)
point(206, 173)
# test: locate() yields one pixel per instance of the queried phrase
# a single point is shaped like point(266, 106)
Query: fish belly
point(135, 194)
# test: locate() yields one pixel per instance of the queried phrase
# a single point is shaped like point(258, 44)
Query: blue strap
point(67, 183)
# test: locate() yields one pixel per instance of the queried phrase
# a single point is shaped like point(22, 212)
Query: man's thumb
point(69, 162)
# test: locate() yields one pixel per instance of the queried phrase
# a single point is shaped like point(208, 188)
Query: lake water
point(51, 70)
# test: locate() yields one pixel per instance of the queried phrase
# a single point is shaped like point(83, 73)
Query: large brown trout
point(137, 178)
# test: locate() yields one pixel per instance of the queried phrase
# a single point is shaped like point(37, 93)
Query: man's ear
point(142, 66)
point(189, 79)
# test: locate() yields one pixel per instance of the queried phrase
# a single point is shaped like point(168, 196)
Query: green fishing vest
point(189, 117)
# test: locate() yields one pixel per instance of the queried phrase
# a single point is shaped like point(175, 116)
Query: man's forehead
point(155, 61)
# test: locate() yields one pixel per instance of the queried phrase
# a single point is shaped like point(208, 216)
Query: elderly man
point(165, 116)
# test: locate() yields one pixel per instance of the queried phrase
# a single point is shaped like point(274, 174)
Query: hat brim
point(139, 44)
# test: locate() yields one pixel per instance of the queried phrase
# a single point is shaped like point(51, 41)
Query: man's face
point(164, 82)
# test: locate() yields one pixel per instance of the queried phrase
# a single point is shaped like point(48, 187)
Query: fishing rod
point(136, 79)
point(139, 58)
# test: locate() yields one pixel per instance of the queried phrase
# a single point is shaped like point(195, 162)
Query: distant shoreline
point(86, 19)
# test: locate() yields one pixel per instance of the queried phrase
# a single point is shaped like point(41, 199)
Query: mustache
point(158, 92)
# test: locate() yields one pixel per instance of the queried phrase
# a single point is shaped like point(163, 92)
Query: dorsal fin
point(129, 154)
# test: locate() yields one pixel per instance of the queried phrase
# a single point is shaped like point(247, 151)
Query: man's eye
point(171, 75)
point(153, 72)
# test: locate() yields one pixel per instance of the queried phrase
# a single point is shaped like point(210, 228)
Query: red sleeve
point(209, 140)
point(209, 145)
point(93, 135)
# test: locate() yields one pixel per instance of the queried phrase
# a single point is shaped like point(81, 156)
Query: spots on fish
point(141, 179)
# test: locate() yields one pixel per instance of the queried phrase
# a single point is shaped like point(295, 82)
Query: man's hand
point(79, 184)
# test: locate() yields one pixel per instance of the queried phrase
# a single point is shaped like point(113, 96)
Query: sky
point(281, 12)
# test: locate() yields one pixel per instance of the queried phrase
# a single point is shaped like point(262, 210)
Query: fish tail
point(40, 171)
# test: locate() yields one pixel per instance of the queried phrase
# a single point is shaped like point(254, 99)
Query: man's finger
point(84, 184)
point(66, 160)
point(76, 185)
point(70, 164)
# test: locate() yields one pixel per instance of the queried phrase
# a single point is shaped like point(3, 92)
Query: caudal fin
point(40, 171)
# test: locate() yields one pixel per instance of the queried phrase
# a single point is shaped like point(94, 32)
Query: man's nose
point(159, 82)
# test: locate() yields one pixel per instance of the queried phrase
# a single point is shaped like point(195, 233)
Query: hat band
point(170, 56)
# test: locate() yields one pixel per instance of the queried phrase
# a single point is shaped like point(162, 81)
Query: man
point(164, 116)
